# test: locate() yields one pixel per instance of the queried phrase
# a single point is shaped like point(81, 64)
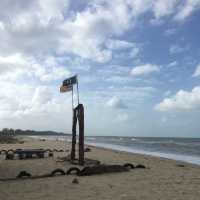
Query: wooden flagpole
point(74, 121)
point(72, 98)
point(77, 88)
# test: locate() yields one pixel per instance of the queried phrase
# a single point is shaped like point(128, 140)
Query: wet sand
point(162, 180)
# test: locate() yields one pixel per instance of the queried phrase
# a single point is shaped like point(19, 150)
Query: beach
point(162, 179)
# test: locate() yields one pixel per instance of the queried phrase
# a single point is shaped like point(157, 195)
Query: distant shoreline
point(18, 132)
point(56, 134)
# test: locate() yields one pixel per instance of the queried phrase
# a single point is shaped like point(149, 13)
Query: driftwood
point(140, 166)
point(86, 162)
point(100, 169)
point(86, 171)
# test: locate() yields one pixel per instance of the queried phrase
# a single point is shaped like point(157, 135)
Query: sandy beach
point(163, 179)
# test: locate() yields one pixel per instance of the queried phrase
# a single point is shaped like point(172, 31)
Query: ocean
point(182, 149)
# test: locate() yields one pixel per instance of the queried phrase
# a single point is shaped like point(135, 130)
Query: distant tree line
point(13, 132)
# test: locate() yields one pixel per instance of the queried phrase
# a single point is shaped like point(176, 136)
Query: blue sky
point(137, 62)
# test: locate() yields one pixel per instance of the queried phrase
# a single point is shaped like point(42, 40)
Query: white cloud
point(56, 73)
point(14, 66)
point(116, 102)
point(144, 69)
point(42, 95)
point(197, 71)
point(17, 65)
point(170, 32)
point(163, 8)
point(172, 64)
point(178, 8)
point(12, 62)
point(182, 100)
point(187, 9)
point(27, 106)
point(156, 22)
point(40, 27)
point(119, 44)
point(23, 100)
point(15, 59)
point(119, 79)
point(174, 49)
point(134, 52)
point(91, 29)
point(31, 26)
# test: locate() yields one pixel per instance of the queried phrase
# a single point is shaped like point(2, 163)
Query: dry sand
point(163, 180)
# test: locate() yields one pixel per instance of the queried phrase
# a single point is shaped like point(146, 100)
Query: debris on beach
point(75, 181)
point(180, 165)
point(87, 149)
point(26, 153)
point(139, 166)
point(23, 174)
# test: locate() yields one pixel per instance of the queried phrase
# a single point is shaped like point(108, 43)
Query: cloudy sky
point(138, 63)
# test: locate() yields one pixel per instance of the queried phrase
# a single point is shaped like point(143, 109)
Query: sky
point(138, 65)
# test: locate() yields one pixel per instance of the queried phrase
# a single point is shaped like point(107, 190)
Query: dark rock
point(75, 181)
point(10, 156)
point(87, 149)
point(50, 154)
point(23, 174)
point(180, 165)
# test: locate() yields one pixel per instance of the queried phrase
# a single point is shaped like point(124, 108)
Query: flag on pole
point(70, 81)
point(64, 88)
point(67, 86)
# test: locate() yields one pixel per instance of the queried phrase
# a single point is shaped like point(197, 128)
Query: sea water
point(183, 149)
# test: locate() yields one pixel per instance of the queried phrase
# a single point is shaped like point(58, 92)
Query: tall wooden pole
point(77, 89)
point(74, 122)
point(73, 147)
point(72, 98)
point(81, 133)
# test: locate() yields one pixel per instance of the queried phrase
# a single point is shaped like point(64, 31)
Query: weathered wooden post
point(78, 113)
point(73, 150)
point(81, 133)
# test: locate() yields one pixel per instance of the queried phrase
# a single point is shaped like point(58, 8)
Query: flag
point(64, 88)
point(70, 81)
